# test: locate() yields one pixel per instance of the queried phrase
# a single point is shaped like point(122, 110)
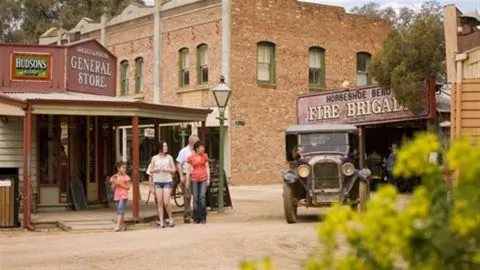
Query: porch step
point(88, 225)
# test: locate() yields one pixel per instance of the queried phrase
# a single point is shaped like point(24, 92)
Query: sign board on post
point(212, 192)
point(360, 106)
point(149, 132)
point(91, 69)
point(31, 66)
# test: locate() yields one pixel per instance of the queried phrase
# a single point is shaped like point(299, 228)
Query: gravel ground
point(255, 228)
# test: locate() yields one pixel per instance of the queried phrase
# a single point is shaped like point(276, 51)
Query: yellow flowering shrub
point(432, 231)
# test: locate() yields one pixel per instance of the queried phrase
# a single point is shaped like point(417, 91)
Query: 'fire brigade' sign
point(359, 106)
point(31, 66)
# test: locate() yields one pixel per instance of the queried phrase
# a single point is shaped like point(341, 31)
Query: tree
point(413, 51)
point(25, 20)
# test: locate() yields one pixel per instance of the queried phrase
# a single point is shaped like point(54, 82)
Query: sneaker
point(170, 223)
point(204, 221)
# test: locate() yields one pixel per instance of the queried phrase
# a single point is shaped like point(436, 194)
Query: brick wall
point(258, 155)
point(187, 29)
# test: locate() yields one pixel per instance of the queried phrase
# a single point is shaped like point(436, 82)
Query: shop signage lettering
point(30, 66)
point(93, 67)
point(368, 105)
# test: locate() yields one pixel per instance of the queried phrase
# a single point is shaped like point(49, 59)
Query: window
point(363, 63)
point(124, 77)
point(316, 67)
point(266, 62)
point(202, 72)
point(184, 68)
point(139, 75)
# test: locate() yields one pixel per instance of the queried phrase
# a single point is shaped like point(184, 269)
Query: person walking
point(199, 175)
point(156, 150)
point(182, 172)
point(160, 169)
point(120, 183)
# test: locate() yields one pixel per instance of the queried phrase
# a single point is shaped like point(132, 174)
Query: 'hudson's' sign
point(31, 66)
point(362, 106)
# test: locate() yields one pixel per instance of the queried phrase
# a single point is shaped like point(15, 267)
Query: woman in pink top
point(120, 184)
point(199, 175)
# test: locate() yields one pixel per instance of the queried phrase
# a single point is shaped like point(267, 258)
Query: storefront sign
point(362, 106)
point(6, 183)
point(91, 68)
point(31, 66)
point(149, 132)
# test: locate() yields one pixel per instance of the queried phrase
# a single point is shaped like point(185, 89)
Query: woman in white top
point(160, 169)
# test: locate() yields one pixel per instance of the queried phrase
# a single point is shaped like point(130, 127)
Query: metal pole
point(221, 118)
point(363, 185)
point(157, 32)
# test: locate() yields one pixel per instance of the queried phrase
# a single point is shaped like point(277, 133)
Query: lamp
point(221, 92)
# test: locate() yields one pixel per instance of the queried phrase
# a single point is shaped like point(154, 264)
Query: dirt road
point(255, 228)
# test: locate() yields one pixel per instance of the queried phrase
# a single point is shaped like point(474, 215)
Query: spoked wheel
point(177, 194)
point(289, 205)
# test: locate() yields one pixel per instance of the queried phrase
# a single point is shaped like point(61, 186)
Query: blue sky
point(463, 5)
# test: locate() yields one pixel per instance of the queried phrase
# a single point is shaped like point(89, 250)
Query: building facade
point(463, 71)
point(278, 50)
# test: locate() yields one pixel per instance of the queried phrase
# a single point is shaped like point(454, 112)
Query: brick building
point(279, 50)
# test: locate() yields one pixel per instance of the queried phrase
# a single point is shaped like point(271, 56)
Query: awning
point(72, 103)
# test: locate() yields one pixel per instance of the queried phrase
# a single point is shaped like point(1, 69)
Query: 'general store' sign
point(91, 69)
point(92, 72)
point(362, 106)
point(31, 66)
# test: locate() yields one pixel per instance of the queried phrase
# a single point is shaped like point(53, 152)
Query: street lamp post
point(221, 92)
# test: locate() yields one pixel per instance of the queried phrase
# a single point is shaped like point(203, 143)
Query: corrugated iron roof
point(75, 96)
point(66, 96)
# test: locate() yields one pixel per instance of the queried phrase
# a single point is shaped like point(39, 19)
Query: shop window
point(316, 67)
point(124, 77)
point(139, 75)
point(202, 63)
point(184, 68)
point(266, 62)
point(363, 64)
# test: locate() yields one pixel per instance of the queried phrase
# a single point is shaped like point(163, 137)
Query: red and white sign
point(361, 106)
point(149, 132)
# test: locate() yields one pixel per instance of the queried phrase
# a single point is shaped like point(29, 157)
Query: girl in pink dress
point(120, 184)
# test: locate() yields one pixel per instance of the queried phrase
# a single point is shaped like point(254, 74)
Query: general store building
point(58, 112)
point(277, 51)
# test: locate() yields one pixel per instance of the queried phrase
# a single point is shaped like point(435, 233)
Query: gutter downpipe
point(103, 28)
point(226, 54)
point(157, 33)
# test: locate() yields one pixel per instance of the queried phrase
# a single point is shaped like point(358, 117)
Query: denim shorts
point(121, 206)
point(163, 185)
